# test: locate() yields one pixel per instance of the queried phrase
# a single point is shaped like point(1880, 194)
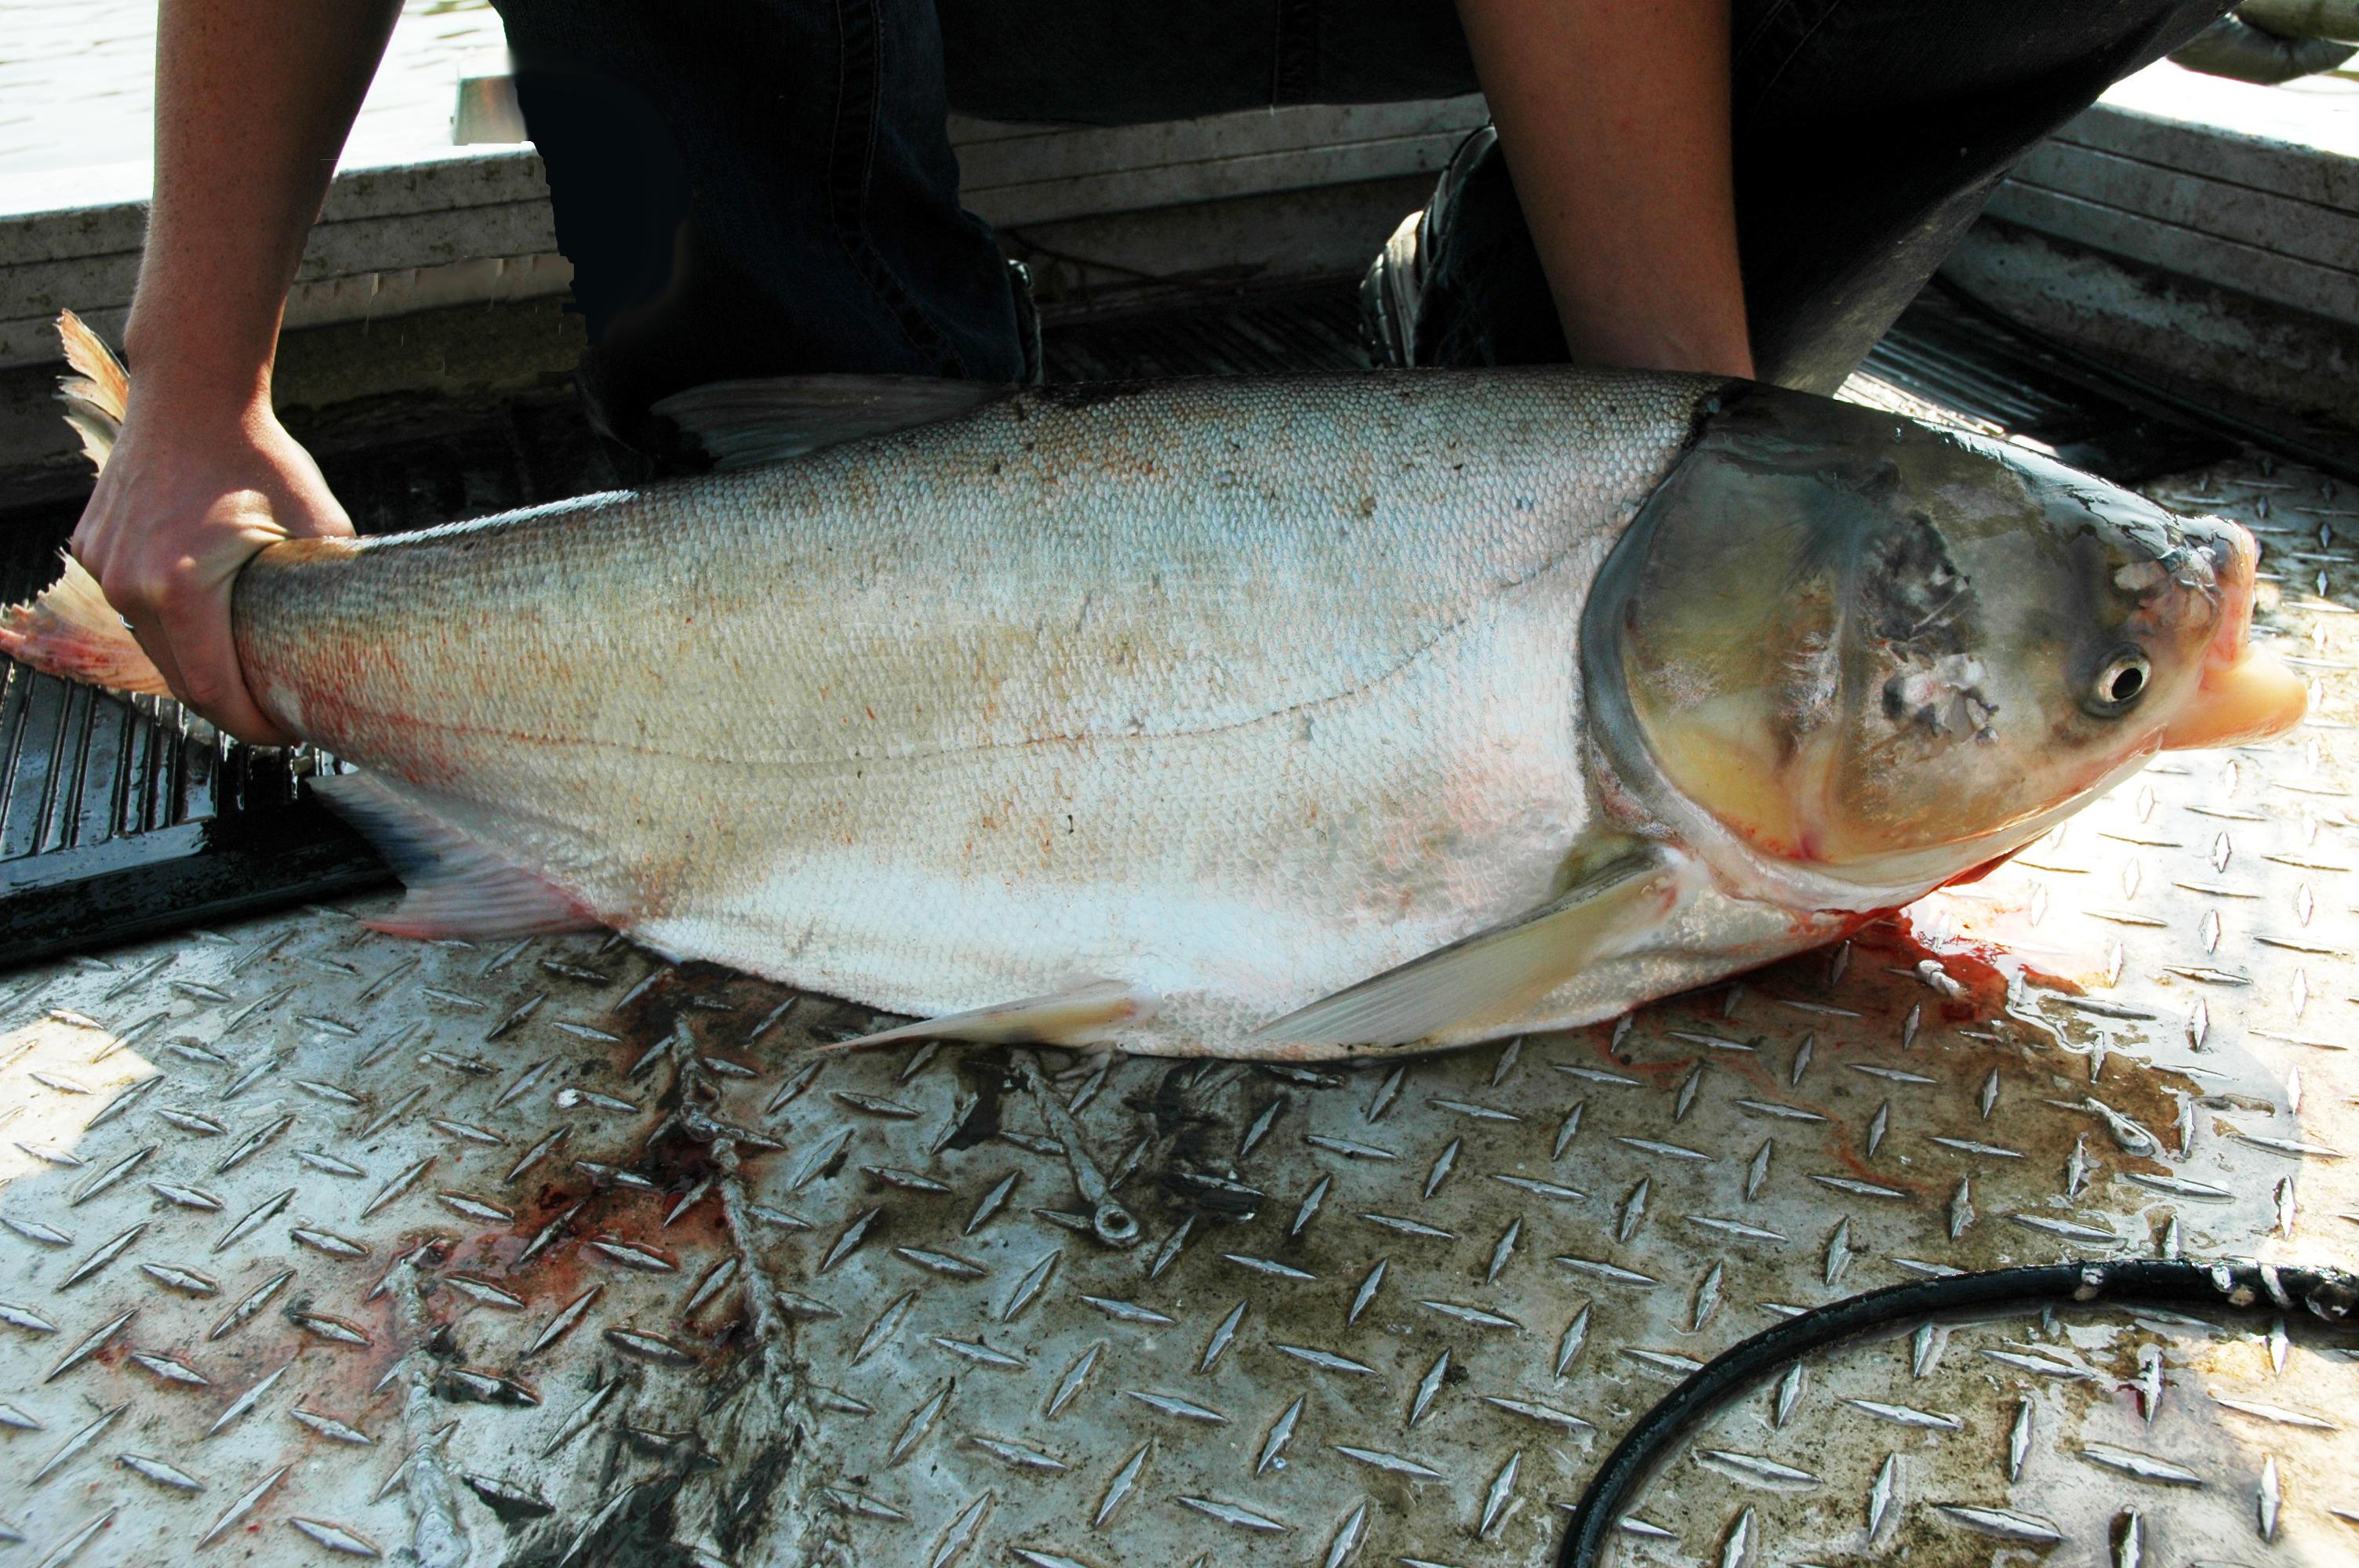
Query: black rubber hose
point(2329, 1294)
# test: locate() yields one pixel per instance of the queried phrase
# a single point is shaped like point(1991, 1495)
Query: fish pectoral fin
point(1081, 1015)
point(455, 886)
point(743, 424)
point(1499, 971)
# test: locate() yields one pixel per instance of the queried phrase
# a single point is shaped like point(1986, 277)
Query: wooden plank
point(103, 211)
point(83, 212)
point(2304, 173)
point(966, 131)
point(2307, 229)
point(2270, 210)
point(1210, 180)
point(460, 179)
point(432, 219)
point(1123, 261)
point(2196, 338)
point(47, 232)
point(475, 280)
point(77, 283)
point(33, 339)
point(472, 280)
point(1043, 154)
point(2315, 114)
point(2304, 286)
point(335, 250)
point(428, 238)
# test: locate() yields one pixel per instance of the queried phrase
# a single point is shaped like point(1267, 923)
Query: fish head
point(1891, 652)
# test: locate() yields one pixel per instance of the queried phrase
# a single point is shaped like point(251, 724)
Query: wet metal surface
point(321, 1245)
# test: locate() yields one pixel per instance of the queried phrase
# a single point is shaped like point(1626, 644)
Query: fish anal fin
point(1498, 972)
point(742, 424)
point(1081, 1015)
point(455, 886)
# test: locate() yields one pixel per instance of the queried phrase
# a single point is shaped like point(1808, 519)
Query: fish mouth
point(2246, 692)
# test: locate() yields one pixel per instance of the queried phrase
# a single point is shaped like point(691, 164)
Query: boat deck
point(322, 1244)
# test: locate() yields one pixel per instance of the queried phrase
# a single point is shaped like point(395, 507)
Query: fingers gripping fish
point(1281, 717)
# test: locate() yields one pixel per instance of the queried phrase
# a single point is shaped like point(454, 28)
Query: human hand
point(192, 491)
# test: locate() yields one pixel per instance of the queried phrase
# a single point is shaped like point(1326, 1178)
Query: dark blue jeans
point(765, 187)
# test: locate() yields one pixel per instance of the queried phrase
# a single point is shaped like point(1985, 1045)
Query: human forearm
point(1614, 119)
point(254, 99)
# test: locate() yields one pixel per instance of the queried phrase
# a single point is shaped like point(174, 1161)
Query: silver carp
point(1288, 717)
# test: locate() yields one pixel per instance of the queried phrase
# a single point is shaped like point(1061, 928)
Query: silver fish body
point(1287, 716)
point(1234, 693)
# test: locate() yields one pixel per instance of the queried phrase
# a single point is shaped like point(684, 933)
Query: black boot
point(1459, 283)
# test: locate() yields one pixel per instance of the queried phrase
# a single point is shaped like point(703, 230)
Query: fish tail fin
point(72, 631)
point(96, 394)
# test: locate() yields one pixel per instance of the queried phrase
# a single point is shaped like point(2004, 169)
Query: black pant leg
point(765, 187)
point(758, 187)
point(1869, 134)
point(1118, 62)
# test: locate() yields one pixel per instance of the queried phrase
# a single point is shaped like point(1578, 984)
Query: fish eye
point(2120, 682)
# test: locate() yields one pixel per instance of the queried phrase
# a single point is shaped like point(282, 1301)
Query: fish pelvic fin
point(72, 631)
point(455, 886)
point(96, 394)
point(744, 424)
point(1500, 972)
point(1084, 1014)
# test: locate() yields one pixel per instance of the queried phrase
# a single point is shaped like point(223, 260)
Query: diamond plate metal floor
point(322, 1244)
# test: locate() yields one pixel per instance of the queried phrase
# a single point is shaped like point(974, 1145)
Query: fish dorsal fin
point(1082, 1014)
point(98, 392)
point(455, 886)
point(1497, 972)
point(742, 424)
